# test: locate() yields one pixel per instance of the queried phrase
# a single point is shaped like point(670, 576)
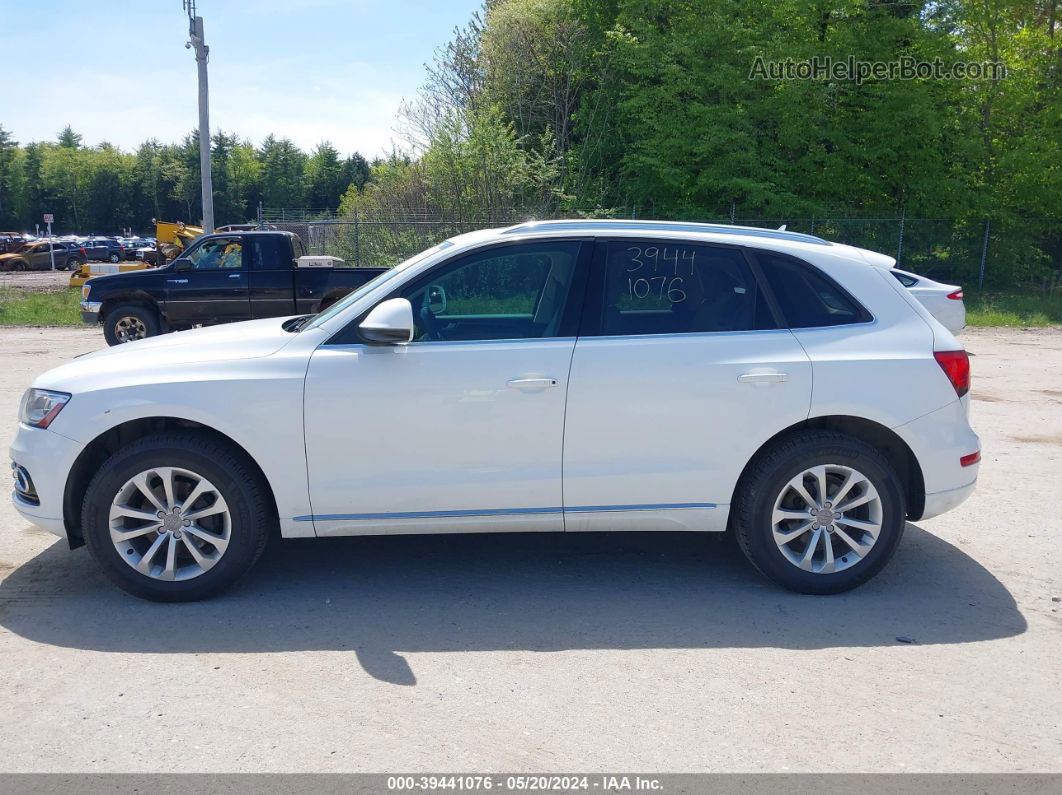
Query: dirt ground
point(34, 280)
point(602, 652)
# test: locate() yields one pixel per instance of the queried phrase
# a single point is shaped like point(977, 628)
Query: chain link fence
point(971, 252)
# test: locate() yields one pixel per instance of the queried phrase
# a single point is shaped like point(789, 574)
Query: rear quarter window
point(806, 296)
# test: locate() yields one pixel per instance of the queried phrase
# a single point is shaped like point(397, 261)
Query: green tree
point(8, 157)
point(325, 178)
point(68, 138)
point(282, 173)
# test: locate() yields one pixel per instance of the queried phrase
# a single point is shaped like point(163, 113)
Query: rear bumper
point(938, 440)
point(944, 501)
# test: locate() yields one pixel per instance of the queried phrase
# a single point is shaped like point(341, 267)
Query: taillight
point(956, 296)
point(970, 459)
point(956, 366)
point(82, 250)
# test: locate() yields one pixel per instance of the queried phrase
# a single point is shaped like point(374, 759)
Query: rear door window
point(675, 287)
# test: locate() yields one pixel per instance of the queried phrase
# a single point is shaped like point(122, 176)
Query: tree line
point(650, 108)
point(653, 108)
point(102, 190)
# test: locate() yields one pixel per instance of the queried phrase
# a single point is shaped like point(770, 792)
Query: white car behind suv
point(551, 376)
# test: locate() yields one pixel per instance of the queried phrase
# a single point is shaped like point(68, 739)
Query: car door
point(40, 258)
point(271, 277)
point(462, 428)
point(680, 374)
point(214, 288)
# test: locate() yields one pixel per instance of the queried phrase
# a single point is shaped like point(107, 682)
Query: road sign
point(48, 218)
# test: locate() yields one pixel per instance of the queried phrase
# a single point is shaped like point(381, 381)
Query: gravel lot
point(600, 652)
point(35, 280)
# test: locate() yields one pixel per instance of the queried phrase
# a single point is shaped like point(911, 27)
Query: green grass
point(1013, 308)
point(34, 308)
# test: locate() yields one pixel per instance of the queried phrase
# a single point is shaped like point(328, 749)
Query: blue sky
point(310, 70)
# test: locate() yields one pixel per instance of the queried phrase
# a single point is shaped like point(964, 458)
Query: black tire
point(252, 516)
point(72, 264)
point(765, 480)
point(113, 322)
point(114, 258)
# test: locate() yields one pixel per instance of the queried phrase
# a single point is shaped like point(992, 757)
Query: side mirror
point(437, 299)
point(181, 265)
point(389, 323)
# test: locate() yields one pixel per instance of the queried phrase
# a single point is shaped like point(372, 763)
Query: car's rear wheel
point(176, 517)
point(114, 258)
point(820, 512)
point(72, 264)
point(128, 323)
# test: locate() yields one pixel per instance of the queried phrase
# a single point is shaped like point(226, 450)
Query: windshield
point(370, 285)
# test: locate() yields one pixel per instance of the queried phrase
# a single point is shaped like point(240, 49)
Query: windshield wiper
point(296, 324)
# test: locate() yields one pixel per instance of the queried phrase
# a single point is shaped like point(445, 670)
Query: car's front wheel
point(128, 323)
point(176, 517)
point(820, 512)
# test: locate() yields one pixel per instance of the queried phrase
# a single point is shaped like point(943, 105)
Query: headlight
point(41, 406)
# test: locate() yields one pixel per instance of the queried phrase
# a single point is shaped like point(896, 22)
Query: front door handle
point(763, 377)
point(532, 383)
point(234, 275)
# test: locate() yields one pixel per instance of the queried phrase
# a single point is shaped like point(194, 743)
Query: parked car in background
point(104, 249)
point(11, 241)
point(553, 376)
point(944, 301)
point(146, 252)
point(37, 256)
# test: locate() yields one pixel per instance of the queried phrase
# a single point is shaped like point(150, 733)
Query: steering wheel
point(428, 321)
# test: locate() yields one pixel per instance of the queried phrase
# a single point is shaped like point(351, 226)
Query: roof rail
point(662, 226)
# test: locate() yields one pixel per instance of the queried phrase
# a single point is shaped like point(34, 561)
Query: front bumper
point(48, 458)
point(90, 312)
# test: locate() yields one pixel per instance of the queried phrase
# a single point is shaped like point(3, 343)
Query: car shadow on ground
point(381, 596)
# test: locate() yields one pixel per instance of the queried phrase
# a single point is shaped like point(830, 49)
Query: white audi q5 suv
point(550, 376)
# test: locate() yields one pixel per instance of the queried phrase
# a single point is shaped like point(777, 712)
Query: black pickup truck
point(219, 278)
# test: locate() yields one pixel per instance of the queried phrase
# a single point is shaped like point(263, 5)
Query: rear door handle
point(234, 275)
point(763, 377)
point(531, 384)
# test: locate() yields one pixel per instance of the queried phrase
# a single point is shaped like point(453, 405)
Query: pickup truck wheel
point(820, 512)
point(114, 258)
point(128, 323)
point(176, 517)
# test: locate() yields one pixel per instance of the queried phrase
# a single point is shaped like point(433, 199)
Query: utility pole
point(202, 54)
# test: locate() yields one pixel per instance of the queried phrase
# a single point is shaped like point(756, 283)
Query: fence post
point(813, 224)
point(357, 242)
point(899, 244)
point(733, 213)
point(984, 255)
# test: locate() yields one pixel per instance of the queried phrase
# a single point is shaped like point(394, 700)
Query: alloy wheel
point(827, 518)
point(129, 328)
point(170, 523)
